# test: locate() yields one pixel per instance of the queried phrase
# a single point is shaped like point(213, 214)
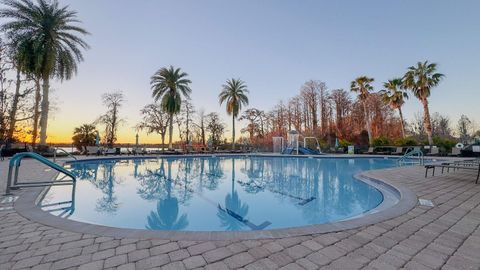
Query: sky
point(273, 45)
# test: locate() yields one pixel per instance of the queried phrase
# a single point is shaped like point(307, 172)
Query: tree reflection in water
point(105, 183)
point(234, 206)
point(153, 182)
point(109, 202)
point(166, 216)
point(173, 182)
point(159, 185)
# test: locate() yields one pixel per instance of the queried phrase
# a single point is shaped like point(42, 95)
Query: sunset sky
point(275, 46)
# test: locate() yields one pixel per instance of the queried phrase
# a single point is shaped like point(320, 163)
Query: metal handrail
point(61, 150)
point(411, 152)
point(14, 165)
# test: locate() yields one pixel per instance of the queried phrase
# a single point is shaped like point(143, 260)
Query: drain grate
point(426, 202)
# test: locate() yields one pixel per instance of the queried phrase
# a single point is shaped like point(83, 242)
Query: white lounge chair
point(433, 151)
point(398, 151)
point(92, 150)
point(110, 151)
point(455, 152)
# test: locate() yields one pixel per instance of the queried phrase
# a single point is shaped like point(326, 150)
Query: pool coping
point(27, 206)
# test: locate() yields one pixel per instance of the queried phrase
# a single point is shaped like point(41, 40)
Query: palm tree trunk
point(36, 111)
point(367, 123)
point(170, 133)
point(426, 121)
point(233, 132)
point(44, 114)
point(401, 121)
point(13, 110)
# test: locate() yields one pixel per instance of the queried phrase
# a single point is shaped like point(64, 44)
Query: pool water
point(218, 193)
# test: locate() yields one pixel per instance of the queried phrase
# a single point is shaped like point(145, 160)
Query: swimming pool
point(230, 193)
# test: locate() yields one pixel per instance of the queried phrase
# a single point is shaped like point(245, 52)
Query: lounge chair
point(433, 151)
point(383, 151)
point(455, 152)
point(398, 151)
point(92, 150)
point(456, 165)
point(110, 151)
point(371, 150)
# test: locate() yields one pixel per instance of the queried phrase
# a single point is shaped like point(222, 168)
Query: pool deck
point(445, 236)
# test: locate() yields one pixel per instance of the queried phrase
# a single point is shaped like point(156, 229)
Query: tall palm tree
point(169, 85)
point(362, 86)
point(234, 93)
point(394, 96)
point(420, 79)
point(56, 40)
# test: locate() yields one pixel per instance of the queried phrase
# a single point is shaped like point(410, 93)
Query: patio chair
point(110, 151)
point(433, 151)
point(456, 165)
point(371, 150)
point(398, 151)
point(455, 152)
point(92, 150)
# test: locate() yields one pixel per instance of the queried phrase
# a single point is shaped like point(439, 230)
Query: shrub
point(381, 141)
point(444, 143)
point(344, 143)
point(409, 141)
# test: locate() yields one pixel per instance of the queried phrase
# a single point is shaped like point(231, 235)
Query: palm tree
point(54, 33)
point(420, 79)
point(361, 85)
point(169, 85)
point(395, 97)
point(234, 94)
point(84, 135)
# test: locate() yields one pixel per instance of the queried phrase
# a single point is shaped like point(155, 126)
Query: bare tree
point(111, 119)
point(201, 126)
point(154, 120)
point(184, 120)
point(464, 128)
point(216, 127)
point(255, 126)
point(342, 104)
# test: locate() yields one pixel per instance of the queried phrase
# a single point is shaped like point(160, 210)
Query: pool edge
point(27, 206)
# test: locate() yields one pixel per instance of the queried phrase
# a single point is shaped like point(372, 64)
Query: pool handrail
point(411, 152)
point(55, 149)
point(14, 165)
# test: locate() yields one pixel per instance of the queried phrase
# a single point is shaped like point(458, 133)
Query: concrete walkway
point(446, 236)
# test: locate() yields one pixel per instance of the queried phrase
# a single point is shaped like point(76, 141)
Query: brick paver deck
point(446, 236)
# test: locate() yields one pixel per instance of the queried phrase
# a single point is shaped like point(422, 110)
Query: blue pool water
point(219, 193)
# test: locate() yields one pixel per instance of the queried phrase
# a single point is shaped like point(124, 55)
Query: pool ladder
point(412, 153)
point(14, 166)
